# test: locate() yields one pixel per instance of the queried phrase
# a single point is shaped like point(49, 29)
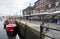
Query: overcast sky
point(13, 7)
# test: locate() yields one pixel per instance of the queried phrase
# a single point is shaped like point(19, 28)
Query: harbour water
point(2, 31)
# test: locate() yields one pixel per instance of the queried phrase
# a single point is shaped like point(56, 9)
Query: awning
point(56, 12)
point(26, 15)
point(44, 13)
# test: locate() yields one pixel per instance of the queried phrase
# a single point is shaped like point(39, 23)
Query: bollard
point(41, 31)
point(53, 38)
point(25, 32)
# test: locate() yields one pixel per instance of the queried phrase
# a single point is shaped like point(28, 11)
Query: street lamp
point(30, 11)
point(20, 17)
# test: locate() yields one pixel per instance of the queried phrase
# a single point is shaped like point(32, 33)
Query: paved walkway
point(32, 25)
point(36, 25)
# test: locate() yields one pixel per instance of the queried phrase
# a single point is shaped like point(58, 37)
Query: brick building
point(40, 6)
point(44, 7)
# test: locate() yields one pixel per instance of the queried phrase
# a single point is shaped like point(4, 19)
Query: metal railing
point(42, 30)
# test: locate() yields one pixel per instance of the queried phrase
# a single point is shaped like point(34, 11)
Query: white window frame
point(49, 5)
point(57, 4)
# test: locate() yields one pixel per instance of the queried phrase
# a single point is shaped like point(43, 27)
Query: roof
point(44, 13)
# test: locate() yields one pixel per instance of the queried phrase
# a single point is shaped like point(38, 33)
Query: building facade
point(27, 12)
point(39, 6)
point(51, 7)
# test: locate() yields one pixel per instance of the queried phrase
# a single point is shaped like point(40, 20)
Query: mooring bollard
point(41, 31)
point(25, 31)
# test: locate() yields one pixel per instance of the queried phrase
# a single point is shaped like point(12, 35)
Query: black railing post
point(41, 31)
point(25, 32)
point(53, 38)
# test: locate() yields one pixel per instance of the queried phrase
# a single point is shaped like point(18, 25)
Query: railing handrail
point(51, 28)
point(48, 36)
point(42, 29)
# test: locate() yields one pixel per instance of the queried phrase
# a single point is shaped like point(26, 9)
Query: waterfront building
point(47, 9)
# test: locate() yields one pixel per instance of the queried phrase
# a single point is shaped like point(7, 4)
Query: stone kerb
point(27, 32)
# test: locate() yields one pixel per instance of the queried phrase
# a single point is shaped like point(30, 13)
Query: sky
point(13, 7)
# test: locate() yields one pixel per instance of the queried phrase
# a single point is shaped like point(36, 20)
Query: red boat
point(11, 30)
point(10, 27)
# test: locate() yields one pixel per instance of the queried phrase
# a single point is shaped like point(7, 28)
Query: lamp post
point(30, 11)
point(20, 17)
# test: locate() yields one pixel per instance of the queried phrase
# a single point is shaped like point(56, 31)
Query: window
point(49, 5)
point(57, 4)
point(53, 5)
point(38, 4)
point(46, 6)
